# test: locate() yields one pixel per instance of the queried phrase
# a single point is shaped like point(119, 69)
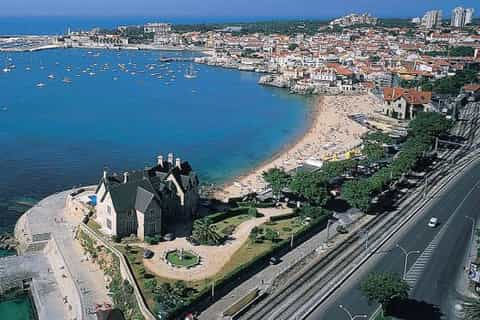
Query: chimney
point(178, 163)
point(160, 160)
point(125, 177)
point(170, 158)
point(104, 174)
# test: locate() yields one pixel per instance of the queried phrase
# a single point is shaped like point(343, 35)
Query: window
point(109, 210)
point(109, 224)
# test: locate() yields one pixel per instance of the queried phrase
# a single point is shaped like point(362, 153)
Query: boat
point(115, 78)
point(4, 109)
point(28, 69)
point(190, 74)
point(91, 74)
point(67, 80)
point(51, 76)
point(41, 85)
point(5, 70)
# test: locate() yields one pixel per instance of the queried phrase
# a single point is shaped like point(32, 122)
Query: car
point(169, 237)
point(148, 254)
point(274, 260)
point(433, 222)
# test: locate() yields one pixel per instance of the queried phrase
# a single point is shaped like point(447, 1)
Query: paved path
point(49, 216)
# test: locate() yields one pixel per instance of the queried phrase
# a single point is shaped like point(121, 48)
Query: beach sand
point(331, 132)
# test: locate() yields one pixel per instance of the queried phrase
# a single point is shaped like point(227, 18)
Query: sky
point(229, 8)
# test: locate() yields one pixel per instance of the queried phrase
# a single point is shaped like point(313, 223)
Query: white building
point(157, 28)
point(432, 18)
point(469, 15)
point(458, 17)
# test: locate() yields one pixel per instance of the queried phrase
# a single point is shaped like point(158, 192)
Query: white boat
point(51, 76)
point(67, 80)
point(115, 78)
point(5, 70)
point(191, 73)
point(91, 74)
point(28, 68)
point(41, 85)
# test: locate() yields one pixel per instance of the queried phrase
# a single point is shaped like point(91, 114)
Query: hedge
point(256, 204)
point(216, 217)
point(284, 217)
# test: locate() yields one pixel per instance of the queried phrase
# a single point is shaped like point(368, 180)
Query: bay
point(92, 113)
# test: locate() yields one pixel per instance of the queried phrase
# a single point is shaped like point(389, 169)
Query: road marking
point(416, 270)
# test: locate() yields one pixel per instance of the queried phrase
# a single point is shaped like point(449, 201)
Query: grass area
point(94, 225)
point(185, 259)
point(237, 306)
point(228, 226)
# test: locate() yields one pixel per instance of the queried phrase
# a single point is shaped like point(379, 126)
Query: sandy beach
point(331, 134)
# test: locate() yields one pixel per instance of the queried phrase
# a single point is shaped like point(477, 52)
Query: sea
point(66, 114)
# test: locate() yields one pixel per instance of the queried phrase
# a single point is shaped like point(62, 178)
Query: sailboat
point(190, 74)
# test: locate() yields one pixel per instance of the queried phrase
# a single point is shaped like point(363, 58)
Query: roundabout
point(181, 258)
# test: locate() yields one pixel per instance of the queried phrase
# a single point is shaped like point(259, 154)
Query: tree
point(357, 193)
point(255, 234)
point(204, 232)
point(428, 125)
point(472, 309)
point(378, 137)
point(333, 169)
point(373, 151)
point(311, 186)
point(277, 179)
point(384, 287)
point(292, 46)
point(271, 235)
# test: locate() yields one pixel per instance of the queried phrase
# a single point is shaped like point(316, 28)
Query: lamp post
point(406, 253)
point(350, 316)
point(471, 237)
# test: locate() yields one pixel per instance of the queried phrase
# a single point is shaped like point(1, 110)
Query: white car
point(433, 222)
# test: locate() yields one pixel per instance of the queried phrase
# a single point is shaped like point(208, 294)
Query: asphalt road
point(436, 272)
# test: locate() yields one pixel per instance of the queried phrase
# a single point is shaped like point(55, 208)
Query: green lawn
point(230, 224)
point(186, 260)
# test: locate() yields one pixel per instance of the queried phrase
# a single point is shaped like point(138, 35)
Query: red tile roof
point(412, 96)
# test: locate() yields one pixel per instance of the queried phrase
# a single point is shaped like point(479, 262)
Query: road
point(442, 256)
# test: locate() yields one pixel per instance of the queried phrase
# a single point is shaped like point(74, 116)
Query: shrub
point(151, 240)
point(150, 284)
point(253, 212)
point(116, 239)
point(341, 229)
point(228, 230)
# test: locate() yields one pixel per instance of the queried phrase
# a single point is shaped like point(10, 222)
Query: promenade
point(48, 231)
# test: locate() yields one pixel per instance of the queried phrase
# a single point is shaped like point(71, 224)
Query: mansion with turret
point(143, 202)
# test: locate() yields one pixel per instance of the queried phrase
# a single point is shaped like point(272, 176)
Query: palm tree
point(204, 232)
point(472, 309)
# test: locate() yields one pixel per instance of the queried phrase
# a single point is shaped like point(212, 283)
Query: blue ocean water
point(64, 134)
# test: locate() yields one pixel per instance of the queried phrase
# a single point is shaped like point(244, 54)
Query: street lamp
point(471, 237)
point(406, 258)
point(352, 317)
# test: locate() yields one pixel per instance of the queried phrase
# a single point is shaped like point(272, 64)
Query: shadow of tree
point(410, 309)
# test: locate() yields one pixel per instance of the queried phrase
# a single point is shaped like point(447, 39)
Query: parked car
point(169, 237)
point(433, 222)
point(148, 254)
point(274, 260)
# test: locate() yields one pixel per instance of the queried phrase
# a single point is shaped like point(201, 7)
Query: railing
point(124, 270)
